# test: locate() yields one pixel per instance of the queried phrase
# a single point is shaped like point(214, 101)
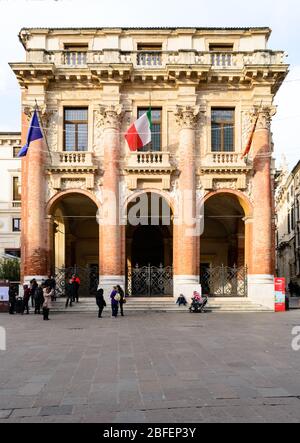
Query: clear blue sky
point(282, 16)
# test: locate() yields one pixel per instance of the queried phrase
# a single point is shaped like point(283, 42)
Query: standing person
point(70, 293)
point(122, 299)
point(48, 294)
point(38, 299)
point(51, 283)
point(76, 282)
point(101, 303)
point(26, 298)
point(115, 298)
point(33, 288)
point(12, 294)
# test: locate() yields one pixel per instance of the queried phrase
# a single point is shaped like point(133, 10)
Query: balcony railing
point(71, 159)
point(223, 159)
point(156, 59)
point(149, 160)
point(149, 59)
point(75, 58)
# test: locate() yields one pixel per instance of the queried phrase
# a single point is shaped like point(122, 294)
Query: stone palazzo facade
point(205, 87)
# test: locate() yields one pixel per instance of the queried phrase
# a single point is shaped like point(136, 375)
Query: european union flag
point(34, 133)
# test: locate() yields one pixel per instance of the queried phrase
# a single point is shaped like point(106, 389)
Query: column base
point(107, 283)
point(186, 285)
point(261, 290)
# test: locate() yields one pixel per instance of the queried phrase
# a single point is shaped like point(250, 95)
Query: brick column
point(34, 224)
point(111, 260)
point(261, 274)
point(186, 266)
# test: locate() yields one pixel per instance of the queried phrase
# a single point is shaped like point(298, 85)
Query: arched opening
point(149, 246)
point(222, 254)
point(75, 240)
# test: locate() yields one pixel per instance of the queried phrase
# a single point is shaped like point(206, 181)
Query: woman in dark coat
point(115, 298)
point(122, 300)
point(101, 303)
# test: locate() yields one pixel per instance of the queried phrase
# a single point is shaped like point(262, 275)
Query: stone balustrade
point(72, 159)
point(148, 160)
point(157, 59)
point(223, 159)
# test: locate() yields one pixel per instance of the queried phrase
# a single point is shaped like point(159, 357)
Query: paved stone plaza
point(150, 367)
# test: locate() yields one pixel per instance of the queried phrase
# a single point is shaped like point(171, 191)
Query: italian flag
point(139, 133)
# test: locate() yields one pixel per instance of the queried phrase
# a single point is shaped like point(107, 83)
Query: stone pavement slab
point(153, 367)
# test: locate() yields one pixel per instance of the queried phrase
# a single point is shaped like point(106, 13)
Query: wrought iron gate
point(150, 281)
point(89, 278)
point(223, 281)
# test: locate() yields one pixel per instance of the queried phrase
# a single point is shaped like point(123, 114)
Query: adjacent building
point(205, 87)
point(288, 224)
point(10, 194)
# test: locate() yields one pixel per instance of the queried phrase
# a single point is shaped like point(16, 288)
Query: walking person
point(33, 288)
point(76, 282)
point(48, 294)
point(70, 293)
point(26, 299)
point(12, 294)
point(38, 299)
point(122, 299)
point(115, 298)
point(101, 303)
point(51, 283)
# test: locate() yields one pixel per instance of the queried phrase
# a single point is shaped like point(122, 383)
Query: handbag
point(117, 297)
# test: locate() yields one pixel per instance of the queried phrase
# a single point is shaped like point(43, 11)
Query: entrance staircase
point(162, 304)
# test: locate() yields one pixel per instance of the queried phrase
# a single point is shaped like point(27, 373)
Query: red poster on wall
point(280, 295)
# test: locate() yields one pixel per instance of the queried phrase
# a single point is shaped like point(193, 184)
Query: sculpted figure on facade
point(98, 132)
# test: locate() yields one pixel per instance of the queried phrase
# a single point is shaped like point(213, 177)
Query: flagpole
point(41, 125)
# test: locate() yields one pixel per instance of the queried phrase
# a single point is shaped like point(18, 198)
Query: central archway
point(149, 246)
point(74, 240)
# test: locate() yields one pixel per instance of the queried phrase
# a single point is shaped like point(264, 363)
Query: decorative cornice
point(187, 116)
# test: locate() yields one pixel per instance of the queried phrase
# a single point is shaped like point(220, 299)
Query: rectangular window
point(222, 130)
point(76, 54)
point(149, 54)
point(221, 55)
point(16, 189)
point(156, 116)
point(16, 150)
point(76, 129)
point(13, 252)
point(16, 225)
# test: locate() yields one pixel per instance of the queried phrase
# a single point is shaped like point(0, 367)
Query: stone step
point(166, 304)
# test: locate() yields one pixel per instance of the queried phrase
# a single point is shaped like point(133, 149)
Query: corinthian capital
point(187, 116)
point(265, 115)
point(111, 116)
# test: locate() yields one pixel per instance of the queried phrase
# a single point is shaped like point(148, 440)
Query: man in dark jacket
point(26, 299)
point(12, 293)
point(101, 303)
point(38, 299)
